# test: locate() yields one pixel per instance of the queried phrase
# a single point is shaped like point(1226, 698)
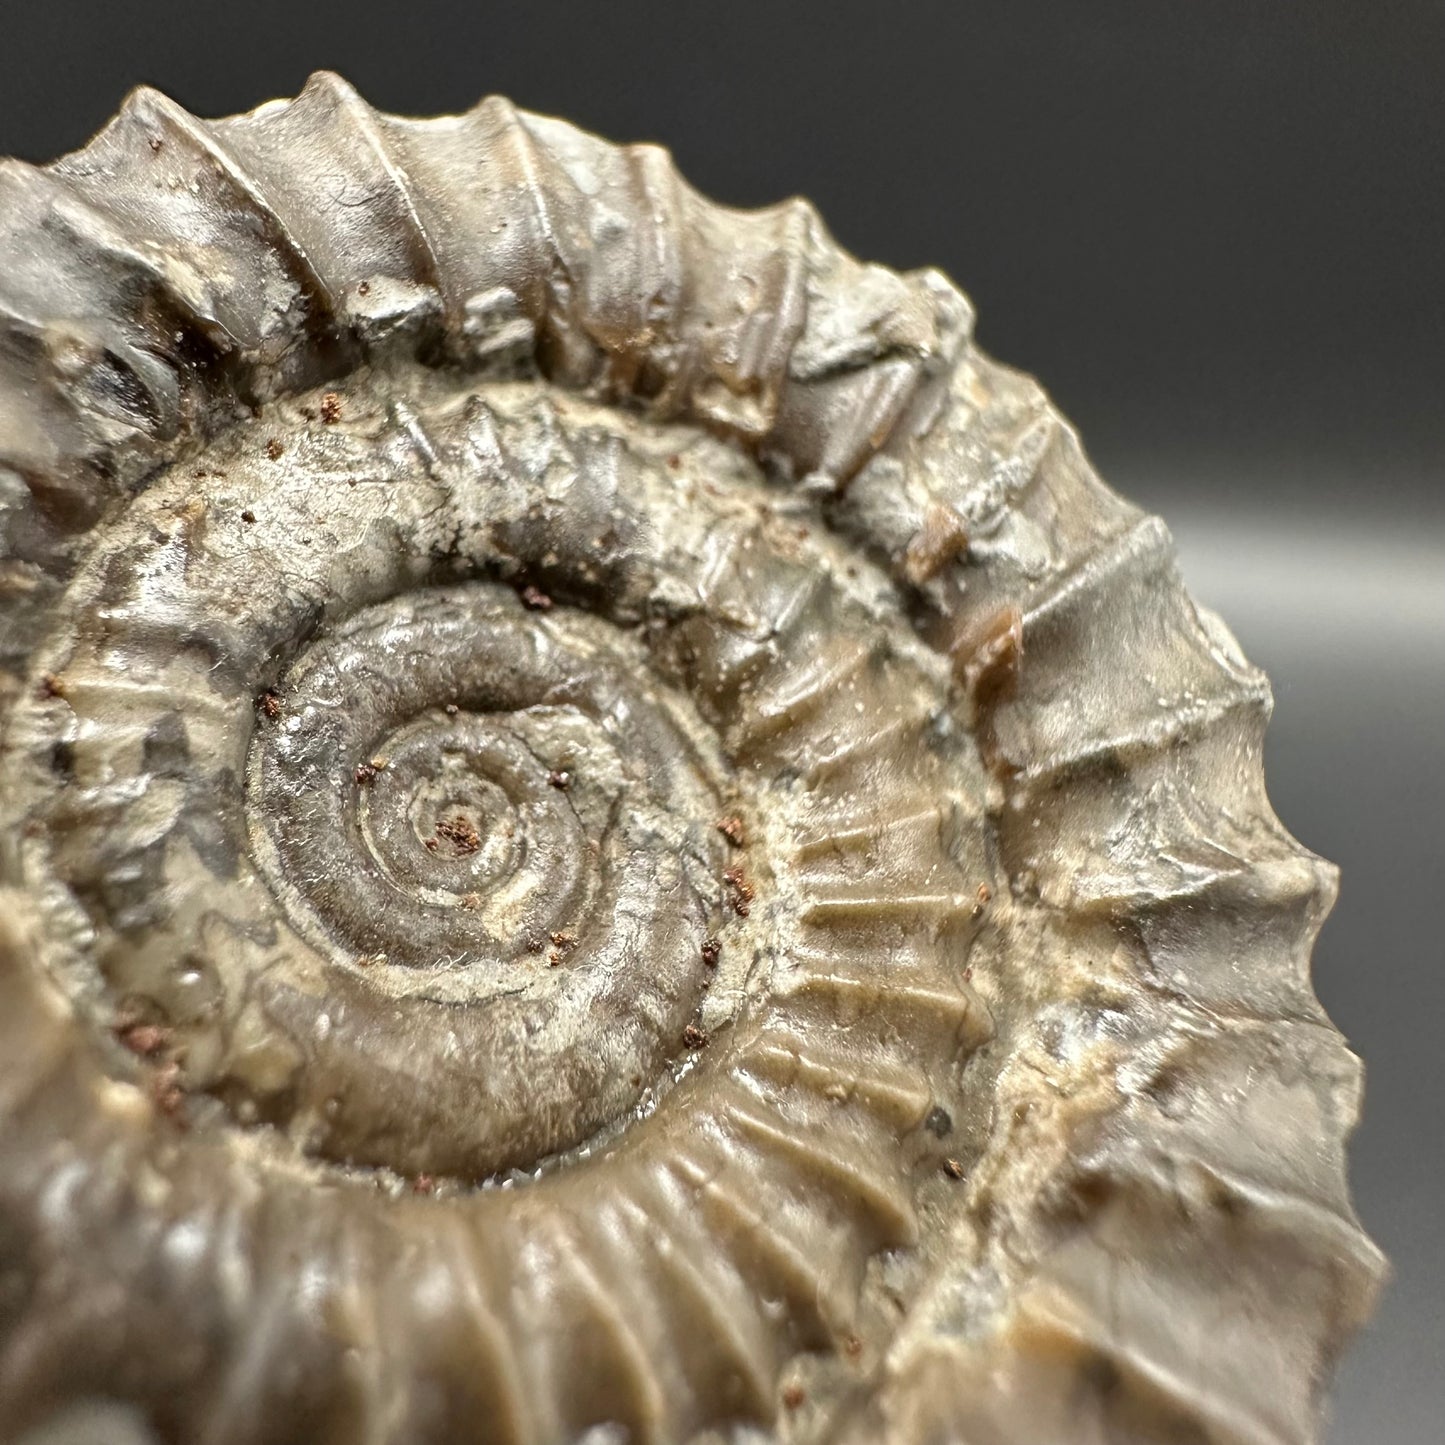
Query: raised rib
point(195, 135)
point(882, 1197)
point(838, 1073)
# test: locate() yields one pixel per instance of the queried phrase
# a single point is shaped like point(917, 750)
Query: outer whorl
point(608, 835)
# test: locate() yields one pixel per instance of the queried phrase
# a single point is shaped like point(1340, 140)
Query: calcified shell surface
point(607, 835)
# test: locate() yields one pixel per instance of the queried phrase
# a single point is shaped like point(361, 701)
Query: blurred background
point(1215, 230)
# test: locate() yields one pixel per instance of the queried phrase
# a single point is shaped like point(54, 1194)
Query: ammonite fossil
point(608, 836)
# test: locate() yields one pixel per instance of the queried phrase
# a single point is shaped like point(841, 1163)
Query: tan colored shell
point(608, 835)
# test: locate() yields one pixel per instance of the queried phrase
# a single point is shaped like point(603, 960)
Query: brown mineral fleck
point(166, 1090)
point(740, 892)
point(146, 1040)
point(460, 832)
point(331, 408)
point(986, 658)
point(941, 539)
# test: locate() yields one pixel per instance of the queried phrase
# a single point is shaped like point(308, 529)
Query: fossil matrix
point(607, 835)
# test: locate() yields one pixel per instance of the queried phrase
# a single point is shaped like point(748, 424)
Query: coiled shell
point(608, 835)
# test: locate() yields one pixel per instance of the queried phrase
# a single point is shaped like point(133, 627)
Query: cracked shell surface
point(608, 835)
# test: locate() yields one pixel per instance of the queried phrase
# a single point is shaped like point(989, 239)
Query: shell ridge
point(370, 127)
point(180, 124)
point(1076, 581)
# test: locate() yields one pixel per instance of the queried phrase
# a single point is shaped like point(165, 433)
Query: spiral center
point(456, 810)
point(498, 831)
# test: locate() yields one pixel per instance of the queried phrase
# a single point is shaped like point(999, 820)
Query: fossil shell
point(608, 835)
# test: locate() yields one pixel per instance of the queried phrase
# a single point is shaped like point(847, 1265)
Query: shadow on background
point(1217, 232)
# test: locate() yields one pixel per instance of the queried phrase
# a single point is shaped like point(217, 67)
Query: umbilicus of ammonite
point(607, 835)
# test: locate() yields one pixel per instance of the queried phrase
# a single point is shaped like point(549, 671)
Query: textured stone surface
point(607, 834)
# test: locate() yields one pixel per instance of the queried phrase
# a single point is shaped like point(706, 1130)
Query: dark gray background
point(1216, 230)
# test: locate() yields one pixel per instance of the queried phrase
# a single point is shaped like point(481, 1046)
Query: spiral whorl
point(538, 852)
